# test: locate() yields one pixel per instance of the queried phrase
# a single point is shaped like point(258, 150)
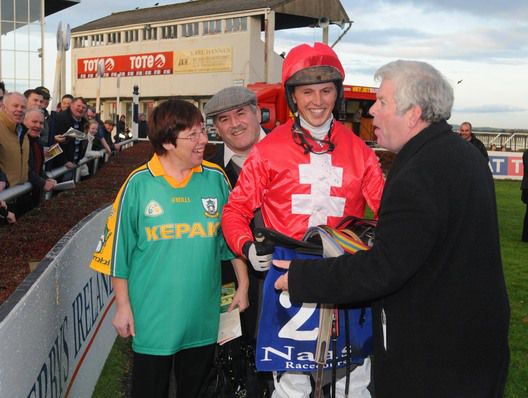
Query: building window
point(236, 24)
point(169, 32)
point(150, 33)
point(97, 40)
point(212, 27)
point(131, 35)
point(190, 29)
point(114, 37)
point(82, 41)
point(78, 42)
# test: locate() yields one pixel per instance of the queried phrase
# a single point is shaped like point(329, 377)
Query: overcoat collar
point(428, 134)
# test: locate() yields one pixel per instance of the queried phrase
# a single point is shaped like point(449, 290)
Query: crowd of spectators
point(27, 133)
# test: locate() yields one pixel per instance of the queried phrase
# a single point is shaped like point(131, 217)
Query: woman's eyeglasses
point(194, 135)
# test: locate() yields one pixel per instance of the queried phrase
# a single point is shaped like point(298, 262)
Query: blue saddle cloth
point(287, 335)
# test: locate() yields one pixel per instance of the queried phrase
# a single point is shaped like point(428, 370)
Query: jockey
point(310, 171)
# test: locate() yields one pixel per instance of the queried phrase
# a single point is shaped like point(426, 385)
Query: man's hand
point(284, 264)
point(60, 138)
point(259, 254)
point(11, 217)
point(49, 184)
point(282, 282)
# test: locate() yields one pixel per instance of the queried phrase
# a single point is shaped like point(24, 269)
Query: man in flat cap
point(237, 118)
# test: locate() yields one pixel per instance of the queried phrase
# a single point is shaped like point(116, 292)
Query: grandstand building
point(186, 50)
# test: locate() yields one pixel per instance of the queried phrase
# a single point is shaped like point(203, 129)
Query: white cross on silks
point(322, 176)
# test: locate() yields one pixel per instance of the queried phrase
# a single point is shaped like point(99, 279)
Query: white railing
point(22, 189)
point(511, 141)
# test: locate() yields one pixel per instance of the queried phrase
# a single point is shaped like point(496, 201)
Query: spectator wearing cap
point(237, 118)
point(44, 138)
point(46, 96)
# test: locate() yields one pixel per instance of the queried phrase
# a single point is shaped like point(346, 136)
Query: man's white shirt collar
point(236, 158)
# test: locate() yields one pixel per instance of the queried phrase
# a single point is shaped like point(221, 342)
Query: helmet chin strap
point(306, 137)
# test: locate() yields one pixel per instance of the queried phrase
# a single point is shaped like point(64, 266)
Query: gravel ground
point(37, 231)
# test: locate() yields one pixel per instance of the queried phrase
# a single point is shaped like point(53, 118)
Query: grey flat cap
point(229, 98)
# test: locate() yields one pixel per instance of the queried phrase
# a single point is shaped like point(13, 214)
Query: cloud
point(389, 36)
point(489, 44)
point(439, 30)
point(491, 109)
point(506, 9)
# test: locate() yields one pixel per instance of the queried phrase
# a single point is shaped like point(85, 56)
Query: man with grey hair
point(434, 273)
point(33, 125)
point(14, 145)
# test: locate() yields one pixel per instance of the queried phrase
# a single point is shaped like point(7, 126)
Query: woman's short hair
point(418, 83)
point(168, 119)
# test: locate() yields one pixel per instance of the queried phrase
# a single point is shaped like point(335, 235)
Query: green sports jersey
point(164, 237)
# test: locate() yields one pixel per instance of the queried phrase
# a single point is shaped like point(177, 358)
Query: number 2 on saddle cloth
point(287, 335)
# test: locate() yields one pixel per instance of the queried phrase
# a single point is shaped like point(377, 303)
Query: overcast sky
point(482, 43)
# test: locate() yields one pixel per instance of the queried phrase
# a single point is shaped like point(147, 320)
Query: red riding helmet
point(305, 64)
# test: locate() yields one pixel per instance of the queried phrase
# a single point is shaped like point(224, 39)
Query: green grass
point(515, 260)
point(115, 375)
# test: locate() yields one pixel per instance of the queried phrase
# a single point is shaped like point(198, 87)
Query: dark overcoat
point(434, 274)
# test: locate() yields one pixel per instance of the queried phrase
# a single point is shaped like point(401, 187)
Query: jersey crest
point(102, 240)
point(153, 209)
point(210, 206)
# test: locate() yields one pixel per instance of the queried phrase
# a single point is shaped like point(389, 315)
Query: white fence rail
point(510, 141)
point(22, 189)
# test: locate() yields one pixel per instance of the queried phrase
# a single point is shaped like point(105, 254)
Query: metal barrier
point(512, 141)
point(22, 189)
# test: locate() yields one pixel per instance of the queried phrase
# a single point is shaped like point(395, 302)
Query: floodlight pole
point(100, 73)
point(118, 99)
point(135, 112)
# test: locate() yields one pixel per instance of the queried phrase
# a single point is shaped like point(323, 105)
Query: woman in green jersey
point(163, 247)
